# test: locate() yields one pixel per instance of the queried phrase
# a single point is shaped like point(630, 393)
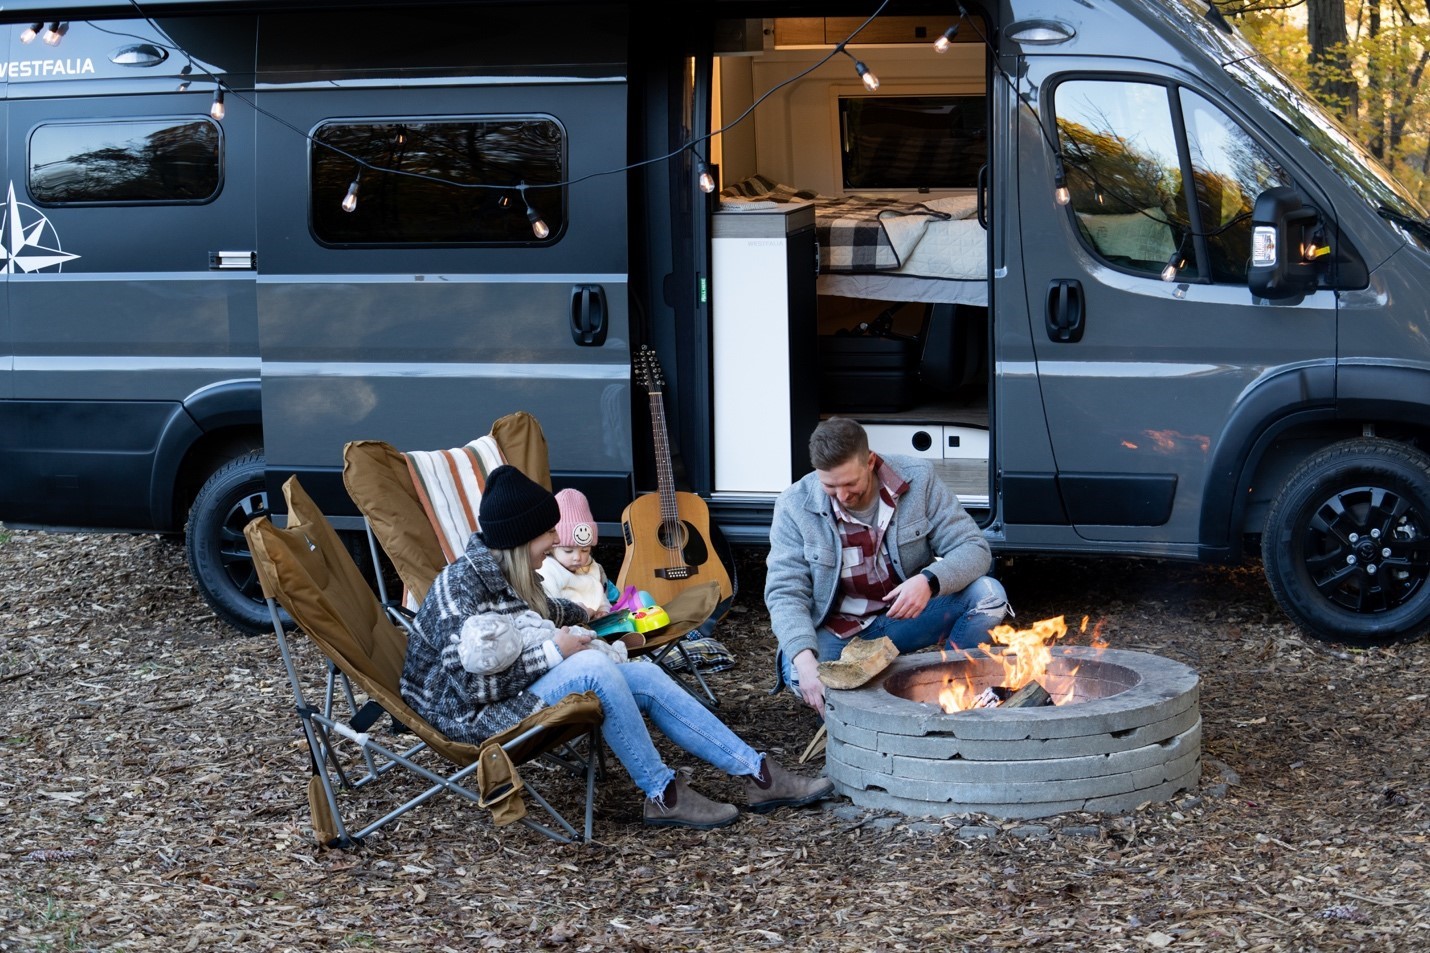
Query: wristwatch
point(933, 581)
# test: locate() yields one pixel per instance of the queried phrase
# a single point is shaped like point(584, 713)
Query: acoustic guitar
point(667, 533)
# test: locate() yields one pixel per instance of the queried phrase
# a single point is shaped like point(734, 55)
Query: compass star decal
point(27, 239)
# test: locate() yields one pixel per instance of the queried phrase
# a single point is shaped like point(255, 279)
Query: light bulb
point(945, 43)
point(30, 32)
point(217, 109)
point(538, 228)
point(1169, 272)
point(707, 181)
point(350, 200)
point(56, 32)
point(1062, 195)
point(871, 82)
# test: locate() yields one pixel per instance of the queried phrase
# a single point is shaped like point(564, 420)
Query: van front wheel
point(1347, 543)
point(219, 557)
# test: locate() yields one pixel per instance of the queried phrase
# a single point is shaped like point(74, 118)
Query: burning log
point(1031, 695)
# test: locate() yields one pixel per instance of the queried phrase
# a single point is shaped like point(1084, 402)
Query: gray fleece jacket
point(802, 582)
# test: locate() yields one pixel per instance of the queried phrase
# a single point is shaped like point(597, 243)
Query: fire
point(1024, 655)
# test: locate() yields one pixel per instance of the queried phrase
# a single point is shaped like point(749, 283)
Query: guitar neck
point(664, 471)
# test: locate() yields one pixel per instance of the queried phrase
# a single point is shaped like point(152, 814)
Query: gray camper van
point(1131, 290)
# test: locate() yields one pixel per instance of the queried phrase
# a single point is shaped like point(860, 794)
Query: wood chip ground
point(152, 798)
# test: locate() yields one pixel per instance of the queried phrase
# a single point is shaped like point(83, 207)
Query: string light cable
point(221, 87)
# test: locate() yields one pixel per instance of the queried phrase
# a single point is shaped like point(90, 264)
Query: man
point(869, 546)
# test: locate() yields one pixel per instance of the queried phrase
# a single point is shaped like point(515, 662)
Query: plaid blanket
point(852, 231)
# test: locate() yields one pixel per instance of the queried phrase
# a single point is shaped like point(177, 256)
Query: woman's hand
point(568, 643)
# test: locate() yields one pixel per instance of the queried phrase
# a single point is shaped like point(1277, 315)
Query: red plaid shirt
point(866, 572)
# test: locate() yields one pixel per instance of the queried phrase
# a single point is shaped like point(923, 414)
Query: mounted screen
point(912, 142)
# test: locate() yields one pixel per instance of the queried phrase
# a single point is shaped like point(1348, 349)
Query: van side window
point(165, 161)
point(1124, 173)
point(430, 181)
point(1230, 170)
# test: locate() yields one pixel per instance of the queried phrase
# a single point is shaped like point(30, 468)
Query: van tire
point(1339, 585)
point(219, 556)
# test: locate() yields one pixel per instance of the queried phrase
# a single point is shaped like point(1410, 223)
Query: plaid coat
point(463, 705)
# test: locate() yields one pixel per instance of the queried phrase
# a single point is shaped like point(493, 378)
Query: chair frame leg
point(323, 730)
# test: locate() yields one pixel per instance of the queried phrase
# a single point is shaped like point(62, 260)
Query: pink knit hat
point(576, 527)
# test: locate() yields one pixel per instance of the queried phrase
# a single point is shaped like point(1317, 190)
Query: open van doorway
point(849, 246)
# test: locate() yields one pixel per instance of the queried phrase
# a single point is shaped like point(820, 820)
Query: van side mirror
point(1282, 229)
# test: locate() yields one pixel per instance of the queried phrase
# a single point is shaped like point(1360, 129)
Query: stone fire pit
point(1130, 733)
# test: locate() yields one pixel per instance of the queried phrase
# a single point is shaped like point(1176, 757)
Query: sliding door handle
point(588, 315)
point(1065, 310)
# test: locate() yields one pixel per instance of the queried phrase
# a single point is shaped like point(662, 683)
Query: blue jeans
point(631, 689)
point(958, 620)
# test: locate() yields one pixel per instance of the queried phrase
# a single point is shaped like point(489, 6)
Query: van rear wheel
point(219, 556)
point(1347, 543)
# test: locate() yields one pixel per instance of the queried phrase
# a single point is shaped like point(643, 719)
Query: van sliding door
point(443, 233)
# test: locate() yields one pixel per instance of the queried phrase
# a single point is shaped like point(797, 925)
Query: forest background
point(1365, 60)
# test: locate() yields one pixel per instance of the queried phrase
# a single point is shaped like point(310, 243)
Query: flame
point(1024, 655)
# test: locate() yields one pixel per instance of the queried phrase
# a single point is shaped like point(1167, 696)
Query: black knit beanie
point(515, 509)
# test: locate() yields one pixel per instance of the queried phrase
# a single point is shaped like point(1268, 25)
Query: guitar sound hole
point(683, 538)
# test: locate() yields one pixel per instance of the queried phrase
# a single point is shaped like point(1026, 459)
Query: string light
point(704, 176)
point(217, 109)
point(56, 32)
point(945, 43)
point(538, 228)
point(185, 75)
point(1061, 193)
point(30, 32)
point(1176, 263)
point(871, 82)
point(350, 200)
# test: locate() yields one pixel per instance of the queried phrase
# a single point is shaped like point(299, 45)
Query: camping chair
point(305, 569)
point(423, 513)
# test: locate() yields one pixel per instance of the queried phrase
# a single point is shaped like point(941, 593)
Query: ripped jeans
point(633, 690)
point(958, 620)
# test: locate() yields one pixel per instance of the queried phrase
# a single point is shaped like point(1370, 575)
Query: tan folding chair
point(305, 569)
point(397, 510)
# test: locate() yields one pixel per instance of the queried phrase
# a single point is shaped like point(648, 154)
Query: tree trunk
point(1331, 77)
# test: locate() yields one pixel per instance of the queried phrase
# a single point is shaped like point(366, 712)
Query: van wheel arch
point(1346, 546)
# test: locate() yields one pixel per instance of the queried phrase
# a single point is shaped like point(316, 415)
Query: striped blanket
point(449, 484)
point(855, 233)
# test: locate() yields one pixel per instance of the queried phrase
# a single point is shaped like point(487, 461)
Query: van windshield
point(1300, 113)
point(1321, 133)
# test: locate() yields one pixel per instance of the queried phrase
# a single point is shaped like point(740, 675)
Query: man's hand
point(909, 599)
point(811, 689)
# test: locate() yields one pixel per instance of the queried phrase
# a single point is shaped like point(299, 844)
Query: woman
point(494, 583)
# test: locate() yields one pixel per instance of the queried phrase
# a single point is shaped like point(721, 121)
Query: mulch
point(152, 797)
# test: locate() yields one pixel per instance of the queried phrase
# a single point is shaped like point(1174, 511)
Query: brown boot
point(775, 787)
point(680, 806)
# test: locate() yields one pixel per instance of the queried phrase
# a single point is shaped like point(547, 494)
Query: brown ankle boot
point(775, 787)
point(680, 806)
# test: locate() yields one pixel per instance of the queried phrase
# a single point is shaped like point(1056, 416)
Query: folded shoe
point(775, 787)
point(681, 806)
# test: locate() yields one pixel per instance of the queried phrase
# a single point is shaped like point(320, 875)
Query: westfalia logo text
point(38, 69)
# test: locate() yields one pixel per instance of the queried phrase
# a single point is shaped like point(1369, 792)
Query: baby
point(570, 572)
point(490, 642)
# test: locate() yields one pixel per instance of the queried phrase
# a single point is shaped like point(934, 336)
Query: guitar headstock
point(647, 368)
